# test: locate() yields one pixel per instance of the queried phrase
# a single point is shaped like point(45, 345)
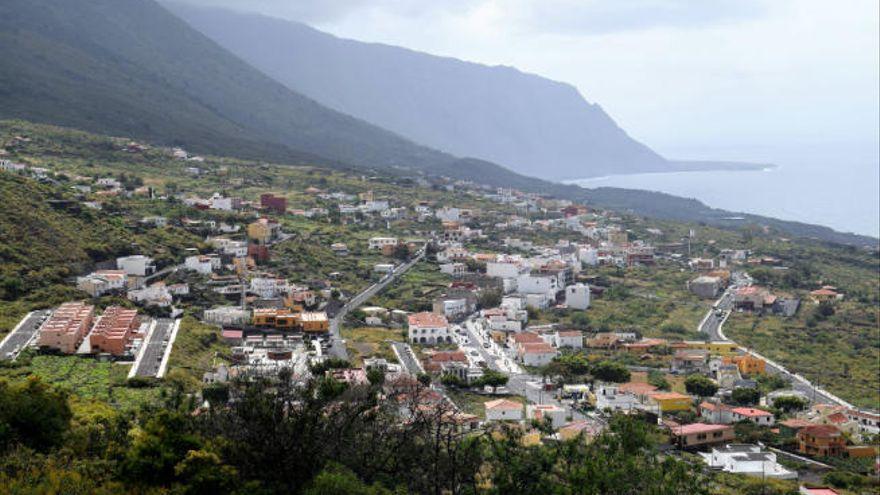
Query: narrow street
point(337, 345)
point(713, 326)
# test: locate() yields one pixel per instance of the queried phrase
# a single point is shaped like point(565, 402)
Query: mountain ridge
point(496, 113)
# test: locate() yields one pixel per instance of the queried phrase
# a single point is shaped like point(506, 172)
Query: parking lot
point(22, 334)
point(154, 348)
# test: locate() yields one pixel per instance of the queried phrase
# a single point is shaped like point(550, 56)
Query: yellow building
point(748, 364)
point(263, 230)
point(718, 348)
point(285, 319)
point(314, 322)
point(671, 401)
point(264, 317)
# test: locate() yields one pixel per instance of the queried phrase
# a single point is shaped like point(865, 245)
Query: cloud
point(603, 16)
point(543, 16)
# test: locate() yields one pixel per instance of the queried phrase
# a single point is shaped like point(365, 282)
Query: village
point(500, 334)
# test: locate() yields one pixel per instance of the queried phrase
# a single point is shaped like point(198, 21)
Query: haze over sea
point(837, 186)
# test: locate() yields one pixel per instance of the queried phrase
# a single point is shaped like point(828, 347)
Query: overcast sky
point(687, 77)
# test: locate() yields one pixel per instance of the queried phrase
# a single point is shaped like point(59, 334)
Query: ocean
point(821, 186)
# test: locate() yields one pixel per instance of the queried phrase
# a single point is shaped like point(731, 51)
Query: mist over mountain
point(527, 123)
point(131, 68)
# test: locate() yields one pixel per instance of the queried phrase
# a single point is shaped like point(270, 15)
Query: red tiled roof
point(823, 292)
point(428, 320)
point(503, 404)
point(526, 338)
point(837, 418)
point(538, 348)
point(447, 356)
point(796, 423)
point(751, 412)
point(698, 428)
point(822, 431)
point(571, 333)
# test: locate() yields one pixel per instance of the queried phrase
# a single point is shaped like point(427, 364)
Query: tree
point(745, 396)
point(451, 380)
point(376, 377)
point(424, 379)
point(329, 364)
point(676, 328)
point(569, 366)
point(203, 473)
point(162, 442)
point(336, 479)
point(331, 388)
point(789, 403)
point(216, 394)
point(825, 309)
point(658, 380)
point(490, 298)
point(492, 378)
point(33, 414)
point(700, 385)
point(401, 252)
point(580, 320)
point(610, 371)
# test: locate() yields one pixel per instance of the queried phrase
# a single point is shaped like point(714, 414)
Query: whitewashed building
point(577, 296)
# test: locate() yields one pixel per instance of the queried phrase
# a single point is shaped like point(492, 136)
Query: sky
point(690, 78)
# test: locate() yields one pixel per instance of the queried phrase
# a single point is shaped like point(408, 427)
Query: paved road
point(519, 382)
point(337, 347)
point(713, 327)
point(152, 354)
point(407, 358)
point(20, 336)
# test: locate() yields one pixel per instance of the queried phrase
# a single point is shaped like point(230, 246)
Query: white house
point(505, 268)
point(202, 263)
point(454, 269)
point(536, 354)
point(503, 410)
point(101, 282)
point(569, 338)
point(448, 214)
point(374, 206)
point(869, 422)
point(227, 315)
point(380, 242)
point(428, 328)
point(577, 296)
point(137, 264)
point(451, 308)
point(269, 287)
point(154, 295)
point(539, 301)
point(538, 284)
point(610, 397)
point(747, 459)
point(218, 202)
point(542, 412)
point(383, 268)
point(724, 414)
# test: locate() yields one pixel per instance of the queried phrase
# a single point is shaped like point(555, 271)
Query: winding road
point(713, 326)
point(337, 345)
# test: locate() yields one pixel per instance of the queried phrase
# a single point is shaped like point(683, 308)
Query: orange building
point(114, 330)
point(821, 441)
point(286, 319)
point(748, 364)
point(67, 327)
point(314, 322)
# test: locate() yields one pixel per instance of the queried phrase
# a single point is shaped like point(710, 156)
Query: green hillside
point(129, 67)
point(45, 239)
